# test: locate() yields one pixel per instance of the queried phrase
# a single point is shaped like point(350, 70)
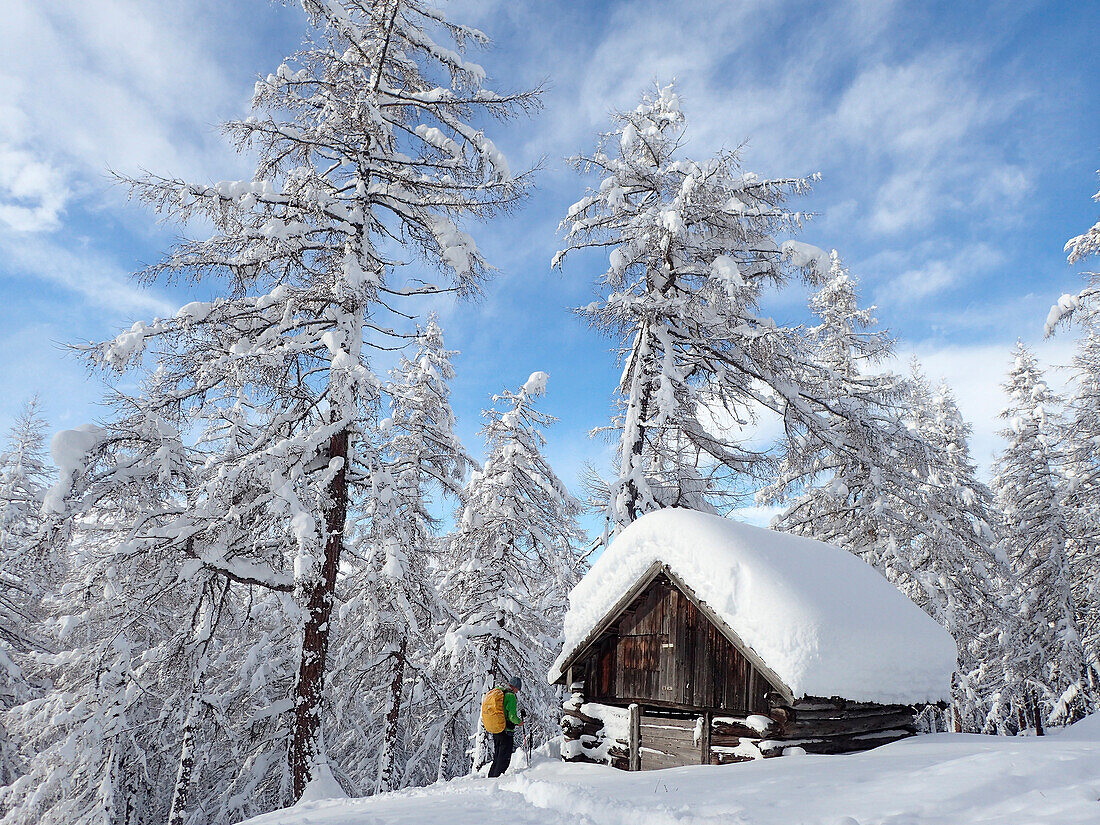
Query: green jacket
point(511, 708)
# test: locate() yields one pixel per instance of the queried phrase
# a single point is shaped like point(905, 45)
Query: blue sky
point(957, 144)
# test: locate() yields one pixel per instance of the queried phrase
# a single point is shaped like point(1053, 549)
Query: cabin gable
point(662, 650)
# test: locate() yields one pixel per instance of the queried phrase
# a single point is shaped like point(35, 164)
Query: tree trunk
point(636, 450)
point(447, 736)
point(1038, 716)
point(632, 451)
point(393, 714)
point(309, 690)
point(186, 767)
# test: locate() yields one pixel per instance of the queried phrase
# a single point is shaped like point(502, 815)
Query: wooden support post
point(704, 740)
point(635, 737)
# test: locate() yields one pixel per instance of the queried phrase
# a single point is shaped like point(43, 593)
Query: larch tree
point(508, 568)
point(907, 500)
point(829, 494)
point(1085, 245)
point(693, 250)
point(968, 578)
point(1081, 443)
point(251, 437)
point(393, 608)
point(1049, 671)
point(1081, 454)
point(28, 569)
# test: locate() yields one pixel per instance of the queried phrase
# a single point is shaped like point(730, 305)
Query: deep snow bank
point(947, 779)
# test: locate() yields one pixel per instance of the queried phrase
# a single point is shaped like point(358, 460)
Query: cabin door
point(642, 634)
point(669, 740)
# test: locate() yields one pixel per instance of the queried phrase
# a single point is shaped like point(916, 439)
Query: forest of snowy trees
point(273, 563)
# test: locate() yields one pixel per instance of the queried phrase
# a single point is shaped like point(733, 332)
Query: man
point(505, 741)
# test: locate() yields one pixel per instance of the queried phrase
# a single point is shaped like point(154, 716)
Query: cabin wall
point(693, 697)
point(663, 652)
point(667, 738)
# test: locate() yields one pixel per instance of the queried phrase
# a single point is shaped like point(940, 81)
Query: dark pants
point(503, 743)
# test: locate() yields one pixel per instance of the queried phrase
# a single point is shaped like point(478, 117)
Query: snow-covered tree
point(28, 570)
point(1080, 248)
point(968, 575)
point(1081, 452)
point(1086, 245)
point(1048, 670)
point(254, 434)
point(1081, 444)
point(907, 500)
point(24, 567)
point(509, 566)
point(831, 494)
point(693, 252)
point(393, 608)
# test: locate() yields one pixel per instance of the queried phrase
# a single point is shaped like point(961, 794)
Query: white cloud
point(975, 373)
point(901, 135)
point(32, 193)
point(934, 275)
point(106, 83)
point(94, 278)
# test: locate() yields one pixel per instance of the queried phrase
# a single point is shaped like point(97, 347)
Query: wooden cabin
point(698, 640)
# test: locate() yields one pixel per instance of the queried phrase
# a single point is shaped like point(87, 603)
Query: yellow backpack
point(492, 711)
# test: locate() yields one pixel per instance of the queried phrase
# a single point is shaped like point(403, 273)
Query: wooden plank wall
point(663, 650)
point(667, 742)
point(666, 659)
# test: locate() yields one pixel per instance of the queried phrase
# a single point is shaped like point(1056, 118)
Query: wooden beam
point(635, 737)
point(845, 727)
point(836, 744)
point(704, 744)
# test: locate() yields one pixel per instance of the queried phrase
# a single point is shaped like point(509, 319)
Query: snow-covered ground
point(946, 779)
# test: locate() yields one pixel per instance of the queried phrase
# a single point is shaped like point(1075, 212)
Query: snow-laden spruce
point(1048, 675)
point(508, 567)
point(822, 620)
point(212, 505)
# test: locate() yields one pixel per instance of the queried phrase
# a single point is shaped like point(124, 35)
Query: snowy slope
point(823, 620)
point(947, 779)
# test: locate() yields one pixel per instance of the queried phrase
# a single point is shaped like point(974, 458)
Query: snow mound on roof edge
point(824, 621)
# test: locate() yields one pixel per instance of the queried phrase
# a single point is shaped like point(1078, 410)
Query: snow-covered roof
point(822, 620)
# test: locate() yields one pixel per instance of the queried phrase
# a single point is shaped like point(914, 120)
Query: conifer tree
point(510, 564)
point(1085, 245)
point(1081, 439)
point(1081, 450)
point(28, 569)
point(908, 501)
point(235, 466)
point(694, 250)
point(393, 608)
point(1049, 672)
